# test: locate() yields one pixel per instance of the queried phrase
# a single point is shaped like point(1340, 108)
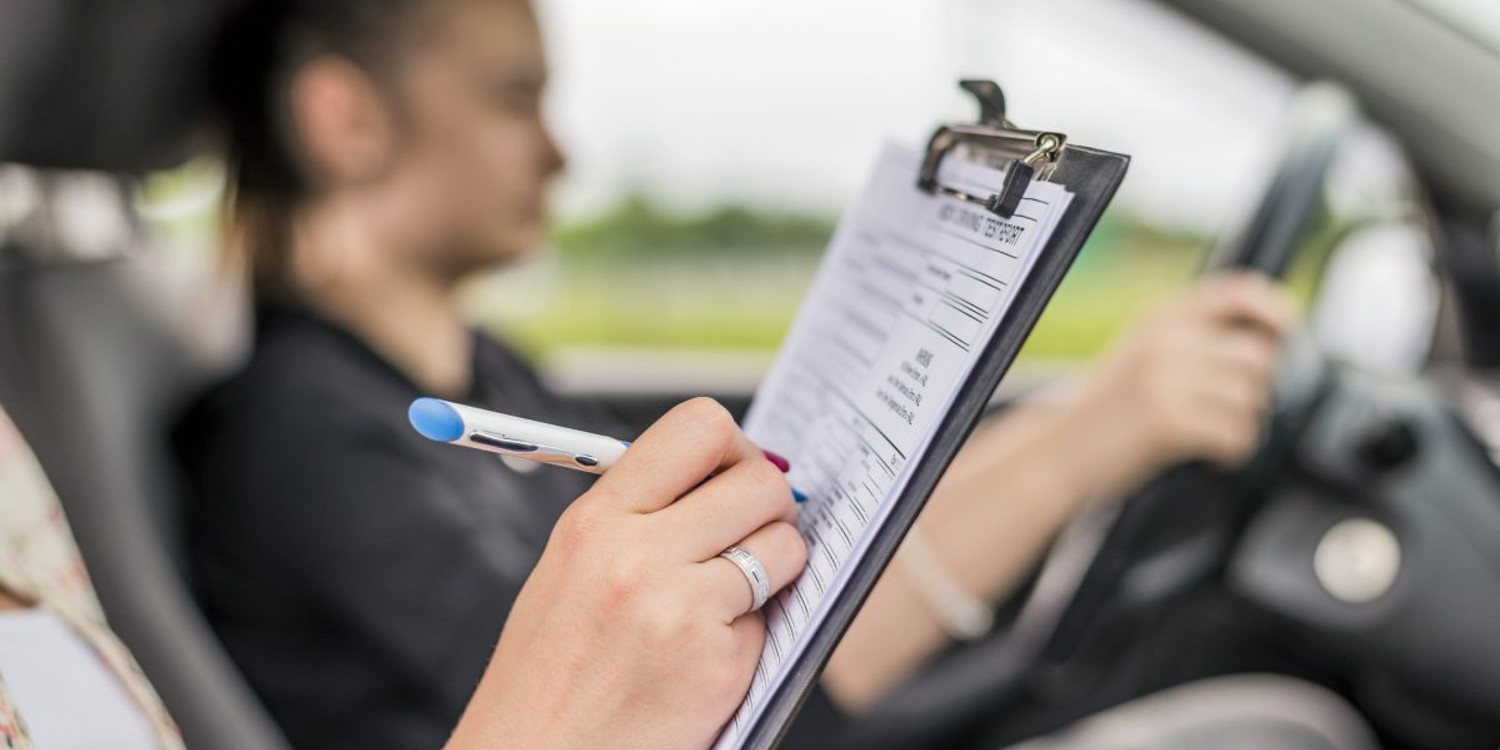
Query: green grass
point(743, 296)
point(740, 306)
point(1117, 277)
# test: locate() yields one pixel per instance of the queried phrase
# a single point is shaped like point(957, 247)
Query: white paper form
point(910, 290)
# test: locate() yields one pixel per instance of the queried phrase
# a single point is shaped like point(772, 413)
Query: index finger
point(693, 441)
point(1249, 297)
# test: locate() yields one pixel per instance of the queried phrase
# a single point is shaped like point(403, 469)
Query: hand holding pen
point(640, 598)
point(471, 427)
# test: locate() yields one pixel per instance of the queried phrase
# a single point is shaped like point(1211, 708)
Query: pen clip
point(533, 451)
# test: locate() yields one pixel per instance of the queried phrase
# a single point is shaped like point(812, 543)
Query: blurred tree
point(638, 226)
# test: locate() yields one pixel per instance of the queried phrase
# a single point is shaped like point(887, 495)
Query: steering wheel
point(1181, 529)
point(1359, 547)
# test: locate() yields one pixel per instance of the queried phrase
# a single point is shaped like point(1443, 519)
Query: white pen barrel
point(596, 451)
point(468, 426)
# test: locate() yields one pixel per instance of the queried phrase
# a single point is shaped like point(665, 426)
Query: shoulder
point(509, 383)
point(303, 389)
point(305, 364)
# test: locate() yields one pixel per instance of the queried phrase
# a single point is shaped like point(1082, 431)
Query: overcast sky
point(785, 102)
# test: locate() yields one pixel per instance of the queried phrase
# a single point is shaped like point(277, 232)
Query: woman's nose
point(554, 160)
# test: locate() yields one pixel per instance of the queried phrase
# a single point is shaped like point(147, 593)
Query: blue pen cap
point(436, 419)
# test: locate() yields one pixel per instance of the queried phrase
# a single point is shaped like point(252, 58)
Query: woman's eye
point(516, 102)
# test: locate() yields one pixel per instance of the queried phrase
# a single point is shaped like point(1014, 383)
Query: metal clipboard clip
point(995, 141)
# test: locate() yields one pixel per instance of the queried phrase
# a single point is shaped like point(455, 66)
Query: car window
point(1478, 19)
point(713, 145)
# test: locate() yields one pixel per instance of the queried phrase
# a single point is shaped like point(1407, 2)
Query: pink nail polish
point(780, 462)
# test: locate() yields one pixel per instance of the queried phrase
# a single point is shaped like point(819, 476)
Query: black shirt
point(358, 573)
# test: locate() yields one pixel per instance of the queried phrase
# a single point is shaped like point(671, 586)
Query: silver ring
point(755, 574)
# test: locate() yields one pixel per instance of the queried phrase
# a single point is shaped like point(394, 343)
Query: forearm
point(1019, 479)
point(1192, 382)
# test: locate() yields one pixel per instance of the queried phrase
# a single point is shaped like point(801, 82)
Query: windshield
point(1479, 19)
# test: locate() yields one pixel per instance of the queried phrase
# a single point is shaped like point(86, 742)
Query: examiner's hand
point(632, 632)
point(1193, 380)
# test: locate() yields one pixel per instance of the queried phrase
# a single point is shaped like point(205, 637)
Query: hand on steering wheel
point(1192, 381)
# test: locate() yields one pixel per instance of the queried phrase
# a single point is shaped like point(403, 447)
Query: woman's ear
point(343, 125)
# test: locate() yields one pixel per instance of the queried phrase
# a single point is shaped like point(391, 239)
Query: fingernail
point(798, 496)
point(780, 462)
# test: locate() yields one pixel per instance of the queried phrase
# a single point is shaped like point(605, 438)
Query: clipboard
point(1093, 176)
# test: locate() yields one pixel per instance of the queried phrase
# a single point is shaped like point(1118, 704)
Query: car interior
point(1359, 550)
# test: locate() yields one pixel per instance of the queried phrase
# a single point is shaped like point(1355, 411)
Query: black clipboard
point(1093, 176)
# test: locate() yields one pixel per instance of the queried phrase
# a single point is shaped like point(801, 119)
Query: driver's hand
point(1193, 379)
